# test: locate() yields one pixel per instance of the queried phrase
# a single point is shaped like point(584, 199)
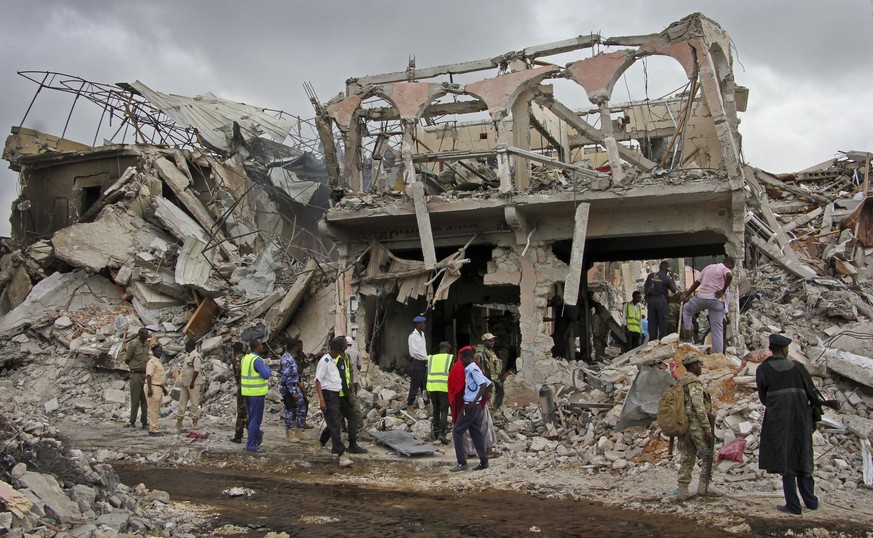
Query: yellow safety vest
point(633, 317)
point(344, 365)
point(438, 372)
point(251, 382)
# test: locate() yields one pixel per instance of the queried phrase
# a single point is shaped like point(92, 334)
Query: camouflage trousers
point(242, 416)
point(689, 444)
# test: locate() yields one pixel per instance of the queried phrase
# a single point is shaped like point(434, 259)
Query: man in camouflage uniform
point(493, 366)
point(242, 415)
point(696, 441)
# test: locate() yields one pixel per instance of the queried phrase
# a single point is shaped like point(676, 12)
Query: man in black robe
point(786, 433)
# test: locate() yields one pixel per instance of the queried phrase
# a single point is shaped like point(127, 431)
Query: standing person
point(254, 383)
point(456, 387)
point(418, 361)
point(290, 390)
point(476, 388)
point(656, 287)
point(191, 382)
point(136, 357)
point(328, 385)
point(438, 366)
point(695, 443)
point(242, 416)
point(492, 365)
point(355, 358)
point(713, 282)
point(633, 322)
point(565, 318)
point(348, 405)
point(156, 382)
point(786, 432)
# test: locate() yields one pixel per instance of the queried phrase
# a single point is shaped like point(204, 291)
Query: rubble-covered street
point(221, 222)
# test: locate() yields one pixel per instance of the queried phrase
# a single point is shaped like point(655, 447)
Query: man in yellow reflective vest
point(438, 366)
point(254, 382)
point(633, 322)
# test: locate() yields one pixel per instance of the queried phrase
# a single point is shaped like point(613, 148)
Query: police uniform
point(189, 387)
point(698, 406)
point(292, 396)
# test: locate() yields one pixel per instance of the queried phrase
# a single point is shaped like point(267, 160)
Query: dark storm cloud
point(806, 62)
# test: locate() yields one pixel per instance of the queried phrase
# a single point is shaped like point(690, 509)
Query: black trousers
point(659, 312)
point(333, 420)
point(633, 339)
point(418, 381)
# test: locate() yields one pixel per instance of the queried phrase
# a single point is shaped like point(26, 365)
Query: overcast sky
point(807, 63)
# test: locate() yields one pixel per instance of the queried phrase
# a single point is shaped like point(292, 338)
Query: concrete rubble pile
point(48, 489)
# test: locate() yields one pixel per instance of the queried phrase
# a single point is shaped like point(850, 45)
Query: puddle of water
point(306, 509)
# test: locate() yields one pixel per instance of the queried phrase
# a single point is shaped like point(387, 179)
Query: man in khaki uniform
point(190, 382)
point(156, 383)
point(696, 441)
point(136, 357)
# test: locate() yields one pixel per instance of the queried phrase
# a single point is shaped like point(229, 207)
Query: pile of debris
point(49, 489)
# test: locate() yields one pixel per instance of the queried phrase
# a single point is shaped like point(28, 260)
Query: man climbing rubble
point(696, 442)
point(713, 283)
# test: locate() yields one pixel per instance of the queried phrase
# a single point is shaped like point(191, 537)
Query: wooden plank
point(574, 275)
point(202, 320)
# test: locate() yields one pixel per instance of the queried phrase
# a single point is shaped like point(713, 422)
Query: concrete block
point(51, 405)
point(115, 396)
point(57, 504)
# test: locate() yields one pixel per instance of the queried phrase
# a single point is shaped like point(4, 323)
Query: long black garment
point(786, 434)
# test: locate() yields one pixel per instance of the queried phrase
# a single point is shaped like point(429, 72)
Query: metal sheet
point(214, 117)
point(404, 443)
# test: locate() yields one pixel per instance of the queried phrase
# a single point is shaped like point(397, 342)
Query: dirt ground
point(299, 489)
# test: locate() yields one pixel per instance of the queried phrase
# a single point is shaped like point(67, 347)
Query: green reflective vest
point(438, 372)
point(633, 315)
point(344, 365)
point(251, 382)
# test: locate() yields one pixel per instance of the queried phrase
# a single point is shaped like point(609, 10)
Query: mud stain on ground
point(311, 509)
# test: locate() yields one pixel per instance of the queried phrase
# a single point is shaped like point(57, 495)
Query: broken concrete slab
point(57, 504)
point(193, 264)
point(403, 442)
point(280, 314)
point(49, 296)
point(109, 241)
point(856, 367)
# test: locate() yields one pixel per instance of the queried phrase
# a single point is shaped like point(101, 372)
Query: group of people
point(785, 448)
point(148, 383)
point(462, 385)
point(711, 287)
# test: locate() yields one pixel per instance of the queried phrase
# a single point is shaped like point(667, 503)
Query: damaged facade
point(501, 221)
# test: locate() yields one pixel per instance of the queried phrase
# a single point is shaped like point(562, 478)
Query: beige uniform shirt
point(155, 369)
point(191, 363)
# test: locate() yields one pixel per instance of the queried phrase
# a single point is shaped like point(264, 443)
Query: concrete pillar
point(521, 138)
point(610, 143)
point(504, 172)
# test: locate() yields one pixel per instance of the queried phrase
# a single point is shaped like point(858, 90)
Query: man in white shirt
point(418, 362)
point(328, 385)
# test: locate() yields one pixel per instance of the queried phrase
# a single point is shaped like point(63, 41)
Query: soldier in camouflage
point(696, 442)
point(493, 366)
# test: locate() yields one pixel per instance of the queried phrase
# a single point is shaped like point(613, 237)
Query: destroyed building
point(474, 202)
point(508, 210)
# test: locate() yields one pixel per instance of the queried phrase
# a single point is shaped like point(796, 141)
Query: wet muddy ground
point(312, 509)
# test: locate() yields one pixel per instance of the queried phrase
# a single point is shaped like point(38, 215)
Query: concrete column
point(610, 143)
point(504, 173)
point(521, 138)
point(406, 151)
point(352, 157)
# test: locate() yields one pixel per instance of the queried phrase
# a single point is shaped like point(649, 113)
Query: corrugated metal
point(213, 117)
